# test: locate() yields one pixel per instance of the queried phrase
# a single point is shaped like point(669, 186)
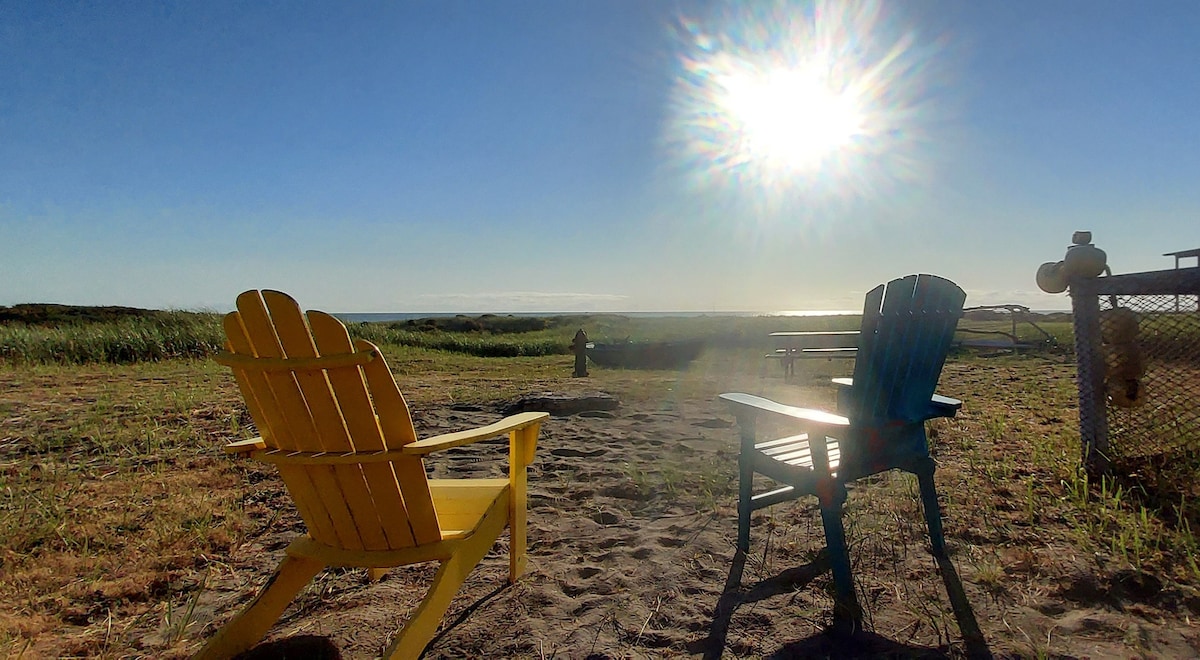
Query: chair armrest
point(940, 406)
point(522, 422)
point(459, 438)
point(744, 403)
point(243, 446)
point(944, 406)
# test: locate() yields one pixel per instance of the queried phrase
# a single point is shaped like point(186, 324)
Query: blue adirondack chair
point(907, 326)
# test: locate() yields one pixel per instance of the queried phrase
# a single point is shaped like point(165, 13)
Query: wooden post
point(1093, 419)
point(579, 347)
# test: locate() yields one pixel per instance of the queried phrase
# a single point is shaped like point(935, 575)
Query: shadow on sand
point(464, 615)
point(311, 647)
point(839, 640)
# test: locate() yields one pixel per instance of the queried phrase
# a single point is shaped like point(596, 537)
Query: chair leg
point(933, 513)
point(252, 623)
point(846, 605)
point(420, 629)
point(745, 497)
point(520, 454)
point(516, 541)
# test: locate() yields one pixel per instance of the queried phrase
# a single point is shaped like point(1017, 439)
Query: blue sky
point(562, 155)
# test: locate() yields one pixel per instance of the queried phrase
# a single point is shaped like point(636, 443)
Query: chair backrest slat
point(351, 491)
point(907, 328)
point(350, 506)
point(297, 418)
point(386, 506)
point(277, 430)
point(862, 407)
point(939, 306)
point(396, 424)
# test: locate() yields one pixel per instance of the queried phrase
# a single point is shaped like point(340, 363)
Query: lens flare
point(832, 99)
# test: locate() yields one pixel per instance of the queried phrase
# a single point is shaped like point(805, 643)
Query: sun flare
point(790, 118)
point(828, 98)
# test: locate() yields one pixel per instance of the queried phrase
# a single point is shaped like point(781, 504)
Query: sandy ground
point(632, 525)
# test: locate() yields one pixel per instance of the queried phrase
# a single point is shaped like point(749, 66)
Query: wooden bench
point(792, 346)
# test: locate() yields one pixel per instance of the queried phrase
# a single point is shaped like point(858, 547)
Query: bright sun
point(826, 99)
point(789, 118)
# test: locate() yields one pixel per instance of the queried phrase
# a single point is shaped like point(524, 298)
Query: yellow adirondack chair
point(335, 423)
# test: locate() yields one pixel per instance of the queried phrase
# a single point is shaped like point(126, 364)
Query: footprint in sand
point(606, 518)
point(588, 605)
point(610, 557)
point(616, 542)
point(573, 590)
point(586, 572)
point(642, 553)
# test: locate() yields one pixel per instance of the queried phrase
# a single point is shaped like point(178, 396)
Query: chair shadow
point(973, 639)
point(464, 615)
point(734, 596)
point(300, 647)
point(834, 641)
point(314, 647)
point(862, 644)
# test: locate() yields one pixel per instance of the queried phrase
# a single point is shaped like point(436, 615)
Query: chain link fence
point(1151, 347)
point(1137, 341)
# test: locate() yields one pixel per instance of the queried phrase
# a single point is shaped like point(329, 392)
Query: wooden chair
point(335, 423)
point(907, 327)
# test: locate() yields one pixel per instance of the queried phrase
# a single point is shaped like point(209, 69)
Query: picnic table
point(792, 346)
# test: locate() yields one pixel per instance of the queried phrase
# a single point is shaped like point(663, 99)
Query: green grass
point(1029, 447)
point(496, 336)
point(148, 336)
point(152, 338)
point(52, 316)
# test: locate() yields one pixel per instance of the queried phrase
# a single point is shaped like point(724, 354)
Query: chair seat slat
point(789, 440)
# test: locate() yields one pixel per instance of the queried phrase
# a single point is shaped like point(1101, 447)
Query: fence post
point(1093, 420)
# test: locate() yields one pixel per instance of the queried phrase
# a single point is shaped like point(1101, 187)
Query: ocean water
point(376, 317)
